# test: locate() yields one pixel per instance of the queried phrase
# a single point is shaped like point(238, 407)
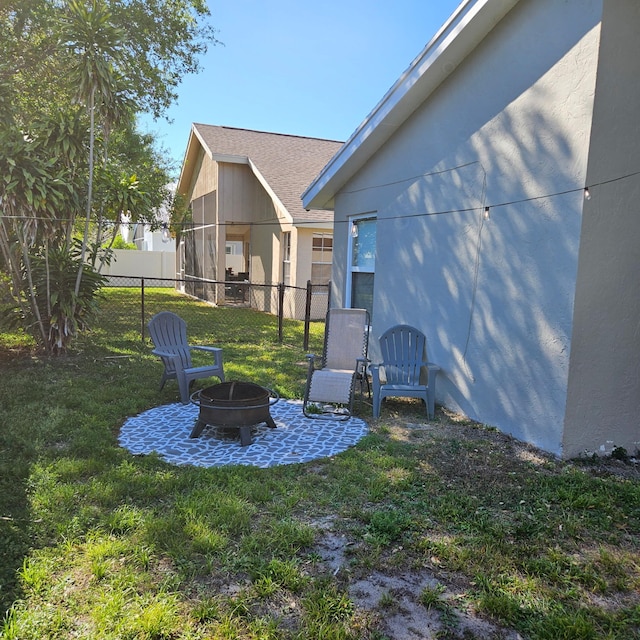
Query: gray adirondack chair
point(169, 334)
point(330, 387)
point(404, 362)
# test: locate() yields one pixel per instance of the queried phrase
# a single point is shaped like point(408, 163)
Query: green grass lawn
point(100, 544)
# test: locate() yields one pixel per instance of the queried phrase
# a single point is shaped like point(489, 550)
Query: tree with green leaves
point(73, 76)
point(96, 45)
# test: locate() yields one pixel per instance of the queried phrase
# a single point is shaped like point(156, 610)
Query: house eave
point(190, 164)
point(225, 157)
point(459, 36)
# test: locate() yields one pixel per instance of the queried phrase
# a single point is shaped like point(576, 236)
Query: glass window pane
point(364, 245)
point(320, 273)
point(321, 258)
point(362, 292)
point(286, 245)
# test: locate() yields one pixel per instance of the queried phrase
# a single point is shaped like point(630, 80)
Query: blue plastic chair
point(169, 334)
point(404, 362)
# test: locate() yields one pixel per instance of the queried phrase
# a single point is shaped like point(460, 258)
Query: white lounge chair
point(330, 387)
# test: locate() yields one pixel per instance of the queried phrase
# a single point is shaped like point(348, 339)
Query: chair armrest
point(311, 359)
point(375, 372)
point(202, 348)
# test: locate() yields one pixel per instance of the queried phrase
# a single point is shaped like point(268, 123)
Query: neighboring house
point(460, 207)
point(244, 191)
point(144, 237)
point(147, 239)
point(156, 255)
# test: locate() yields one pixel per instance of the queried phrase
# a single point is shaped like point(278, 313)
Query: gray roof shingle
point(288, 163)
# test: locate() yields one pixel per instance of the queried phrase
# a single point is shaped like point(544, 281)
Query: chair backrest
point(346, 338)
point(169, 333)
point(404, 353)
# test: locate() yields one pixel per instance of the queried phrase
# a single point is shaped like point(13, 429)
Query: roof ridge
point(269, 133)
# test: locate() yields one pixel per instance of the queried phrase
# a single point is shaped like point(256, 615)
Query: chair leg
point(431, 399)
point(377, 403)
point(184, 389)
point(431, 389)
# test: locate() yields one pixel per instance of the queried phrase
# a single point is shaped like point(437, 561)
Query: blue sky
point(306, 68)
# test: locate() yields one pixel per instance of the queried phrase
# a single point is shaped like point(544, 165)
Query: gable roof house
point(244, 191)
point(491, 199)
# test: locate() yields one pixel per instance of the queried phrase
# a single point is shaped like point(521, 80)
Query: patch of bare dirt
point(394, 598)
point(11, 354)
point(392, 594)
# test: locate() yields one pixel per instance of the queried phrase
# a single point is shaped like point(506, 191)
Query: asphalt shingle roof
point(288, 163)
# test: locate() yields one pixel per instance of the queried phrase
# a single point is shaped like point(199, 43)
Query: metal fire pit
point(235, 405)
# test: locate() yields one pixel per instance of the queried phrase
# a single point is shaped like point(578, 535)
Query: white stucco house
point(156, 255)
point(492, 199)
point(148, 237)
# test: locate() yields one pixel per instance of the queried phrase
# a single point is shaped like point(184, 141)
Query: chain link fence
point(276, 313)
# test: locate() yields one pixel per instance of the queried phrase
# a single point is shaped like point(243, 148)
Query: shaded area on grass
point(496, 538)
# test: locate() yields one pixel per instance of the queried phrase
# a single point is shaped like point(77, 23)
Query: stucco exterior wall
point(509, 129)
point(603, 408)
point(301, 261)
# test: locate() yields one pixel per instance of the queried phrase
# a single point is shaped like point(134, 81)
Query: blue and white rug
point(166, 430)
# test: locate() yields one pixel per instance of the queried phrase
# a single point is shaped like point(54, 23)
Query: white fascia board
point(459, 36)
point(187, 164)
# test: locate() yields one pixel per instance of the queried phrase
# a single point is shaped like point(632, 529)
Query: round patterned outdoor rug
point(166, 430)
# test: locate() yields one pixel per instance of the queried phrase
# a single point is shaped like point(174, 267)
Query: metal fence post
point(142, 308)
point(307, 315)
point(280, 310)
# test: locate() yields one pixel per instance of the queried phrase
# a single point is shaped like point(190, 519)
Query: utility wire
point(421, 214)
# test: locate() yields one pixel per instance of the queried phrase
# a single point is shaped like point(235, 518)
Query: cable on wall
point(587, 191)
point(476, 271)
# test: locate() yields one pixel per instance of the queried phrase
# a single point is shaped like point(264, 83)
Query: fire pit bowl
point(234, 404)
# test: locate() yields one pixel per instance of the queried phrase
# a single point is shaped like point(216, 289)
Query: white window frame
point(351, 269)
point(324, 251)
point(286, 257)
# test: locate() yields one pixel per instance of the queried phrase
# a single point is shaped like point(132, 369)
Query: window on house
point(286, 257)
point(362, 258)
point(321, 258)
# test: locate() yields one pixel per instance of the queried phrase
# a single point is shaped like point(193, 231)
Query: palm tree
point(96, 46)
